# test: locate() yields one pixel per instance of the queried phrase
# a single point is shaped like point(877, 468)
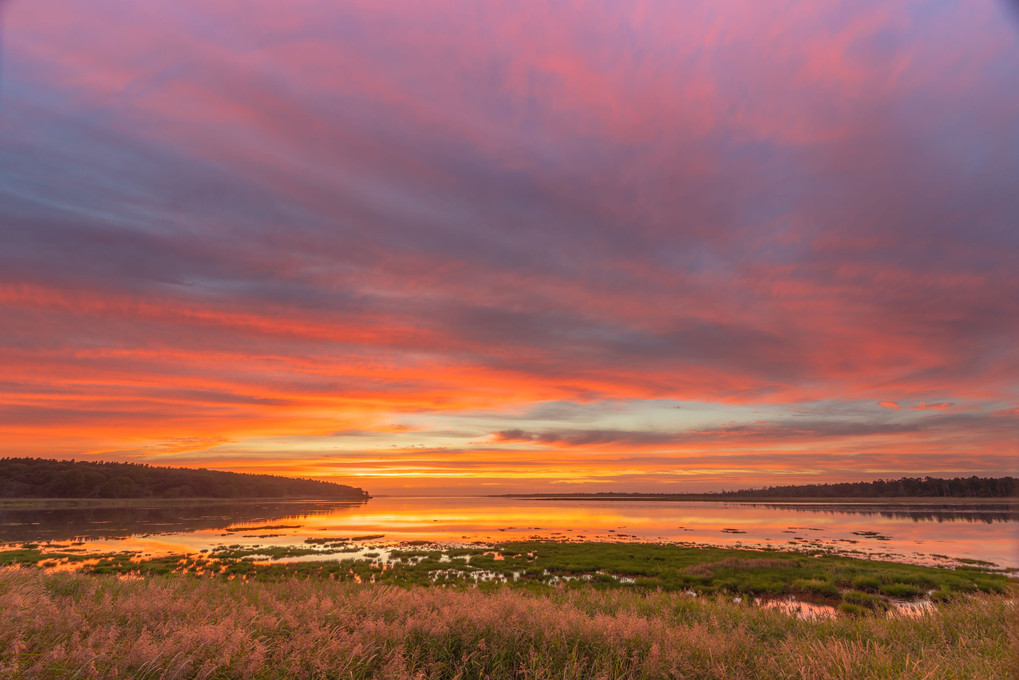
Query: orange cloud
point(244, 239)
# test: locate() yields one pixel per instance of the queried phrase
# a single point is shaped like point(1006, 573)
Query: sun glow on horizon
point(434, 247)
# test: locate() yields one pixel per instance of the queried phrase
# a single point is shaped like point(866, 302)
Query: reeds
point(69, 625)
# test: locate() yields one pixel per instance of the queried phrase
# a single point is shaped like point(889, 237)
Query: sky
point(475, 246)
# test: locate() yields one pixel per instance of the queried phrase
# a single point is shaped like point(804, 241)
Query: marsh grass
point(72, 625)
point(540, 565)
point(33, 556)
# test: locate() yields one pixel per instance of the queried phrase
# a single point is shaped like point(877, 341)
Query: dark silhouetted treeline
point(907, 487)
point(44, 478)
point(37, 523)
point(911, 487)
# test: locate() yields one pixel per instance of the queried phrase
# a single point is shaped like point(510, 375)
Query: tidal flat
point(936, 534)
point(815, 576)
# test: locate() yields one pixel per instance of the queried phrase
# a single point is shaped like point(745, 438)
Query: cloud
point(926, 406)
point(321, 219)
point(773, 433)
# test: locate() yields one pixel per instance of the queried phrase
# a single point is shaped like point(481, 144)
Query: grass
point(683, 568)
point(33, 556)
point(73, 625)
point(542, 565)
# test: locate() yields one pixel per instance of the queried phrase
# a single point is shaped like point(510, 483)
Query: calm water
point(924, 533)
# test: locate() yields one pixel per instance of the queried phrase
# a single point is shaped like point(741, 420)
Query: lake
point(936, 533)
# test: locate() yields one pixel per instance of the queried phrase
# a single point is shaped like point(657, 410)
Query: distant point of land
point(45, 478)
point(927, 488)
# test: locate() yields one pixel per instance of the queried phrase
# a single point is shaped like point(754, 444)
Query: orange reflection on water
point(918, 533)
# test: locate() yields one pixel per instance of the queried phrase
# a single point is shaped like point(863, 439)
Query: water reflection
point(93, 523)
point(921, 533)
point(943, 512)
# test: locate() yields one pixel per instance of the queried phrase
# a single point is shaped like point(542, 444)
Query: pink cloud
point(294, 220)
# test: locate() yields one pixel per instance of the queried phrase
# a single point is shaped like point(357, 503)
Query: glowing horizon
point(452, 246)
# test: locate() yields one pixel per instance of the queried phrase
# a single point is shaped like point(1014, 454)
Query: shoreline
point(75, 503)
point(785, 500)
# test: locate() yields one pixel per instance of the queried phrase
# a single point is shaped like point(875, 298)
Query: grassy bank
point(63, 625)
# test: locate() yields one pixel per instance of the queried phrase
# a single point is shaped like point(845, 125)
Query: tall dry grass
point(79, 626)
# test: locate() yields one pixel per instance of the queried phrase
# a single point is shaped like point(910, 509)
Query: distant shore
point(73, 503)
point(905, 490)
point(819, 500)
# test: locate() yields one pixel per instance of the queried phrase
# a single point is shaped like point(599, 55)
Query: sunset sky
point(482, 246)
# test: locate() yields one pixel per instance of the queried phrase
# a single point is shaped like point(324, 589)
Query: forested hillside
point(44, 478)
point(927, 487)
point(906, 487)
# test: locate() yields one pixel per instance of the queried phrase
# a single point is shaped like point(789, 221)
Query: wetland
point(927, 533)
point(506, 588)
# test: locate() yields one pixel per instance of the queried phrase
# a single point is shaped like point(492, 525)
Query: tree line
point(906, 487)
point(926, 487)
point(45, 478)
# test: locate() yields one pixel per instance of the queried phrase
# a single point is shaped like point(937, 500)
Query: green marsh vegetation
point(540, 565)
